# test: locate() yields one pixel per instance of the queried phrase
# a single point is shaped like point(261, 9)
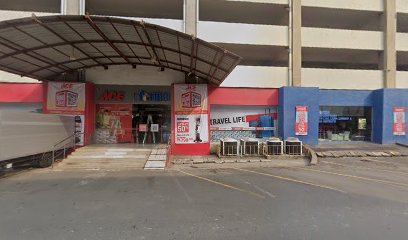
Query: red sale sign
point(399, 121)
point(302, 123)
point(183, 127)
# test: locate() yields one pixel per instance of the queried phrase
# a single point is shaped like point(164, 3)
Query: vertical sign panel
point(191, 113)
point(302, 124)
point(65, 98)
point(399, 121)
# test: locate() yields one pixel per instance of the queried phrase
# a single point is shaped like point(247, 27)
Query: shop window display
point(345, 123)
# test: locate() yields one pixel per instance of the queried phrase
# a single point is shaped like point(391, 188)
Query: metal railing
point(64, 144)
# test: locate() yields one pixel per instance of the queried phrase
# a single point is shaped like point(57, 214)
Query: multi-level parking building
point(346, 60)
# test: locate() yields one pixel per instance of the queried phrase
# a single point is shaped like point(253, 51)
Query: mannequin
point(197, 130)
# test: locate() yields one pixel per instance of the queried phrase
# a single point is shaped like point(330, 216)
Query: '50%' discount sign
point(183, 127)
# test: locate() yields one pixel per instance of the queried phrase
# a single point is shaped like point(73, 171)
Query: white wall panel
point(338, 38)
point(8, 15)
point(402, 41)
point(402, 6)
point(257, 77)
point(125, 75)
point(243, 33)
point(369, 5)
point(10, 77)
point(402, 80)
point(342, 78)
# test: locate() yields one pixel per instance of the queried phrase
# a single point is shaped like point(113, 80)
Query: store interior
point(151, 124)
point(345, 124)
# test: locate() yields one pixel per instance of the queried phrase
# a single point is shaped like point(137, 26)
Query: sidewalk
point(212, 161)
point(359, 149)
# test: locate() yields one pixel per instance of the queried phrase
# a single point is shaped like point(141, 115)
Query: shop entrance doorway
point(341, 124)
point(151, 123)
point(133, 123)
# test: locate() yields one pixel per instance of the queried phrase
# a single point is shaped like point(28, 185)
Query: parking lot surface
point(342, 198)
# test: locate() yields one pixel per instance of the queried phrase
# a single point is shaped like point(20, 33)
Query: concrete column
point(296, 44)
point(190, 17)
point(73, 7)
point(390, 53)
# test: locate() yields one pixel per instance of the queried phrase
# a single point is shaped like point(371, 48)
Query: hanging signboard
point(399, 121)
point(191, 113)
point(65, 98)
point(302, 124)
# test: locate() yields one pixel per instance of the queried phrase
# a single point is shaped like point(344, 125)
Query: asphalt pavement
point(350, 198)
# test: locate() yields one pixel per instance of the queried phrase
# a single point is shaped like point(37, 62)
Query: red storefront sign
point(302, 123)
point(113, 96)
point(399, 121)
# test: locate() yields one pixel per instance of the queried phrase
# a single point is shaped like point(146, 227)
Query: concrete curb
point(311, 154)
point(403, 144)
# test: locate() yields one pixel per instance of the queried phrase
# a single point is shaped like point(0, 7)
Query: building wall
point(345, 98)
point(290, 98)
point(125, 75)
point(386, 100)
point(342, 52)
point(382, 101)
point(19, 92)
point(243, 97)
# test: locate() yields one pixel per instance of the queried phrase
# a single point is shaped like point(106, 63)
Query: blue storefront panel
point(382, 103)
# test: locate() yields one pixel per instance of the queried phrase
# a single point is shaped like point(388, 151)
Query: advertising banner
point(399, 121)
point(191, 113)
point(65, 98)
point(79, 130)
point(114, 123)
point(302, 124)
point(191, 128)
point(243, 118)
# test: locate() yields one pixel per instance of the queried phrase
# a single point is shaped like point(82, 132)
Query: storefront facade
point(187, 104)
point(346, 115)
point(378, 116)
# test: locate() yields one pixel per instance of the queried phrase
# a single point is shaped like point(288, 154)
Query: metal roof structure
point(47, 47)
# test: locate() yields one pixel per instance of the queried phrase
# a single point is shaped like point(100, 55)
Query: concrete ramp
point(157, 159)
